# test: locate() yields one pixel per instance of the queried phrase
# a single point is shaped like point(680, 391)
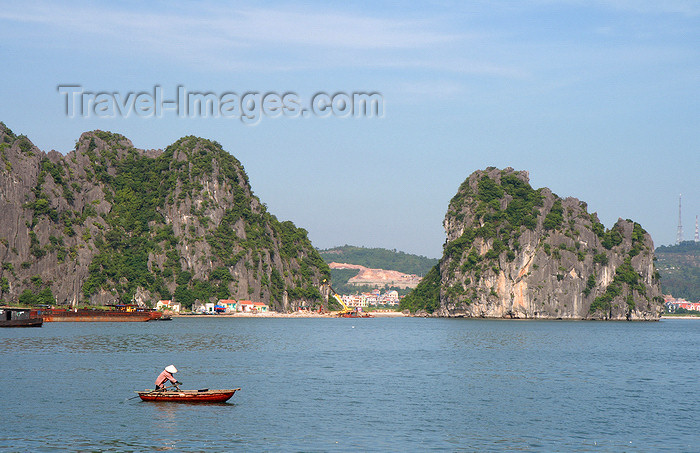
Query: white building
point(168, 305)
point(355, 300)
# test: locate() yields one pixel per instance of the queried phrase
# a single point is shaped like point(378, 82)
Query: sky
point(596, 99)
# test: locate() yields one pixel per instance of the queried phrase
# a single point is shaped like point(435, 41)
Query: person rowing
point(167, 375)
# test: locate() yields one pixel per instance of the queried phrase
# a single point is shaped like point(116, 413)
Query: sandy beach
point(680, 317)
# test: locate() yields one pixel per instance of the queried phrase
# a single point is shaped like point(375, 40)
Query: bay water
point(380, 384)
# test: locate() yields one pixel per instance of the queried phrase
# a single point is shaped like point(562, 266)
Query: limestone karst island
point(109, 223)
point(516, 252)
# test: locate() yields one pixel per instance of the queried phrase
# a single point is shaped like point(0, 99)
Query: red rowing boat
point(188, 396)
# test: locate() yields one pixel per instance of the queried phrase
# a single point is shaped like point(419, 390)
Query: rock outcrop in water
point(108, 223)
point(516, 252)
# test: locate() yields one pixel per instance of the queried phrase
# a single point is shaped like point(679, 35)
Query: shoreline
point(274, 314)
point(680, 317)
point(304, 314)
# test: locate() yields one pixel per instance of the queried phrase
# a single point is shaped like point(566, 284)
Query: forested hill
point(679, 266)
point(379, 258)
point(111, 223)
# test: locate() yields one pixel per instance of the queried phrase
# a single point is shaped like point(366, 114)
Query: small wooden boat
point(188, 396)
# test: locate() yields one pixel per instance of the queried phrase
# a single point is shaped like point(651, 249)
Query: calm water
point(355, 384)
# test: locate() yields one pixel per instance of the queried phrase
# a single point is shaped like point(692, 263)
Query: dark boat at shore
point(163, 318)
point(118, 313)
point(188, 396)
point(19, 317)
point(355, 314)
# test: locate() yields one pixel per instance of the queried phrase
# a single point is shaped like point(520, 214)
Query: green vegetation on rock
point(626, 280)
point(426, 296)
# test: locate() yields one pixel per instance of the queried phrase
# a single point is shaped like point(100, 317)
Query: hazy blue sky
point(598, 100)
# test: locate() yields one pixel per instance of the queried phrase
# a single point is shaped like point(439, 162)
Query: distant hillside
point(378, 258)
point(679, 266)
point(375, 258)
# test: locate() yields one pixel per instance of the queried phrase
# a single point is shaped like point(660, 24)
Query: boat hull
point(20, 317)
point(188, 396)
point(59, 315)
point(355, 315)
point(32, 322)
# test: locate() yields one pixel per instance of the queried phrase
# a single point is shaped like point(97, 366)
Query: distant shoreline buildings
point(672, 304)
point(372, 299)
point(222, 306)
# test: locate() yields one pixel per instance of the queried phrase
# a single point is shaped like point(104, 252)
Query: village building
point(260, 307)
point(247, 306)
point(168, 305)
point(372, 298)
point(206, 308)
point(230, 305)
point(673, 304)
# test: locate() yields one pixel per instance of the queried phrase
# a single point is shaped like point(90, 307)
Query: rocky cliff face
point(516, 252)
point(110, 223)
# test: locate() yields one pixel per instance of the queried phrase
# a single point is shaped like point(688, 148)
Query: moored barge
point(20, 317)
point(119, 313)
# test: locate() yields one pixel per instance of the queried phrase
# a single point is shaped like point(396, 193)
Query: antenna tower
point(679, 236)
point(697, 232)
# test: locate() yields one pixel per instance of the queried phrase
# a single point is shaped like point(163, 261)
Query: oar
point(153, 391)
